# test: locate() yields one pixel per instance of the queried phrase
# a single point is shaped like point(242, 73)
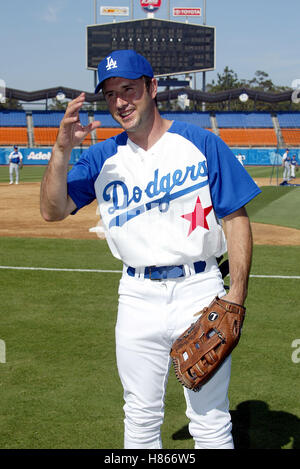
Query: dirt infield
point(20, 217)
point(272, 182)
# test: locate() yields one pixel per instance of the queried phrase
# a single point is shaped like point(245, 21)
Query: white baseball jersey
point(286, 158)
point(163, 206)
point(15, 157)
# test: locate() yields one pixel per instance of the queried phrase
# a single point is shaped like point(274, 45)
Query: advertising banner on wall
point(252, 156)
point(186, 11)
point(36, 156)
point(114, 11)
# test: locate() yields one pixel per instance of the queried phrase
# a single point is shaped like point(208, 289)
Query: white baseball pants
point(287, 171)
point(293, 171)
point(13, 167)
point(151, 315)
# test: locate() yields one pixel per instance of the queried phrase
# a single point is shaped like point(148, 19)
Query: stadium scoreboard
point(171, 47)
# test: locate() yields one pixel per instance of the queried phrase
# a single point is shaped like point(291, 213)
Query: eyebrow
point(129, 83)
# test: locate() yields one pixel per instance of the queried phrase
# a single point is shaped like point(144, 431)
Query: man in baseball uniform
point(286, 163)
point(293, 166)
point(167, 193)
point(15, 160)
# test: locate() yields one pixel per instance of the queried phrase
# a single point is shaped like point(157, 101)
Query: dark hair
point(148, 81)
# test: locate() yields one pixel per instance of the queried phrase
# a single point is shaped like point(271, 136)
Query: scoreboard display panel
point(171, 47)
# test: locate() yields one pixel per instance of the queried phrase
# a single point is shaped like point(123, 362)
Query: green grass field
point(59, 386)
point(27, 173)
point(277, 205)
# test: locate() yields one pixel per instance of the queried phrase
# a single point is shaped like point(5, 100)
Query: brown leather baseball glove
point(203, 347)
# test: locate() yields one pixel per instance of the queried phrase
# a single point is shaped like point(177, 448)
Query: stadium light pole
point(95, 11)
point(95, 71)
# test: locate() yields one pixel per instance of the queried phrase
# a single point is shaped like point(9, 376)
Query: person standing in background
point(286, 163)
point(241, 158)
point(15, 163)
point(293, 167)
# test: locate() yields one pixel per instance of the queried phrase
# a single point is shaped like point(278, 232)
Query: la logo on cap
point(111, 63)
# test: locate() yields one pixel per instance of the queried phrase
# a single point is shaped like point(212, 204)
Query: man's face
point(129, 102)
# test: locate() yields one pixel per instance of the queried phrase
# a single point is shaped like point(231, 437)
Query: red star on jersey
point(198, 217)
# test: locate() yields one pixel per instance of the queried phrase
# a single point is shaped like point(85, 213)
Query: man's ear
point(153, 88)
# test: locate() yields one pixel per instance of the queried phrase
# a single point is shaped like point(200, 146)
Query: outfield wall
point(36, 156)
point(253, 156)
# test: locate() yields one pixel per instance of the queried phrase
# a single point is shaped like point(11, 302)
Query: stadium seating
point(289, 123)
point(13, 128)
point(244, 120)
point(237, 129)
point(288, 119)
point(198, 118)
point(53, 118)
point(247, 129)
point(291, 137)
point(106, 119)
point(249, 137)
point(12, 119)
point(109, 127)
point(46, 124)
point(104, 133)
point(13, 136)
point(45, 136)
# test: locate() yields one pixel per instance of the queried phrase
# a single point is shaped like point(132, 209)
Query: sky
point(43, 42)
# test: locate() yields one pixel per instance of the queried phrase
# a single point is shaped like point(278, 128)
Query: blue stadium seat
point(105, 119)
point(53, 118)
point(244, 120)
point(198, 118)
point(289, 119)
point(12, 118)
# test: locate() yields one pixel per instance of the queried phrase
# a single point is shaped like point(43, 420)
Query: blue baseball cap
point(125, 64)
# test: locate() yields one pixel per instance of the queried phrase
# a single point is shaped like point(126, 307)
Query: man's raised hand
point(71, 132)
